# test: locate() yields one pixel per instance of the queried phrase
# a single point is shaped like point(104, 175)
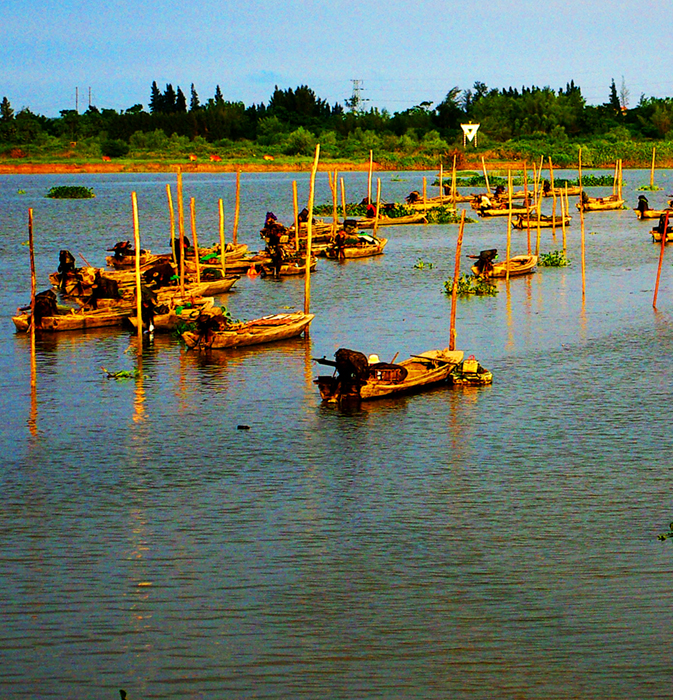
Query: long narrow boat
point(74, 319)
point(571, 191)
point(367, 223)
point(494, 211)
point(360, 378)
point(523, 221)
point(518, 265)
point(261, 330)
point(361, 249)
point(656, 236)
point(649, 214)
point(601, 203)
point(180, 312)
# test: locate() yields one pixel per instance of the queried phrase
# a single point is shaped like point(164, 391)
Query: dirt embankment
point(163, 167)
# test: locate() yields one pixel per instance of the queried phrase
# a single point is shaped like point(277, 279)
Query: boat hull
point(518, 265)
point(262, 330)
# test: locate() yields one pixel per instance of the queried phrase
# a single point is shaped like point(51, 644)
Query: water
point(496, 542)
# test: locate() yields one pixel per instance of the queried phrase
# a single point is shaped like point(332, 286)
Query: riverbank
point(126, 166)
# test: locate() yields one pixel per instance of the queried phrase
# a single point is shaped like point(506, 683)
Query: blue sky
point(403, 52)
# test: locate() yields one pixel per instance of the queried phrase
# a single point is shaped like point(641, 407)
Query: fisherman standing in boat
point(643, 204)
point(340, 244)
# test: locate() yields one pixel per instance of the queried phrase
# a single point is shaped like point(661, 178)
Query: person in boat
point(485, 203)
point(498, 191)
point(121, 250)
point(186, 244)
point(340, 244)
point(584, 197)
point(302, 217)
point(66, 266)
point(371, 211)
point(45, 305)
point(148, 307)
point(662, 222)
point(102, 288)
point(484, 262)
point(413, 197)
point(546, 188)
point(275, 249)
point(643, 204)
point(159, 275)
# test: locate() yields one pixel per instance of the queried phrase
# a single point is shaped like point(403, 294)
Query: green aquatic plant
point(666, 535)
point(124, 374)
point(650, 188)
point(470, 284)
point(445, 215)
point(422, 265)
point(555, 258)
point(70, 192)
point(587, 181)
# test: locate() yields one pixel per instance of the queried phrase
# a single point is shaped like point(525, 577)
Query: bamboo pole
point(171, 212)
point(223, 247)
point(295, 206)
point(454, 289)
point(33, 278)
point(441, 187)
point(654, 151)
point(563, 217)
point(584, 285)
point(195, 238)
point(32, 420)
point(509, 224)
point(621, 177)
point(525, 199)
point(614, 179)
point(181, 231)
point(139, 294)
point(238, 208)
point(378, 205)
point(453, 183)
point(483, 167)
point(539, 213)
point(335, 196)
point(369, 185)
point(425, 187)
point(343, 199)
point(661, 259)
point(309, 234)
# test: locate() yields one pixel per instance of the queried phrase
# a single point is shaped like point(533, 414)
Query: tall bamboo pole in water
point(139, 296)
point(654, 151)
point(525, 199)
point(453, 183)
point(454, 289)
point(378, 204)
point(309, 234)
point(563, 219)
point(33, 278)
point(661, 260)
point(483, 167)
point(181, 231)
point(192, 212)
point(295, 205)
point(238, 208)
point(509, 223)
point(369, 185)
point(335, 196)
point(441, 186)
point(425, 187)
point(343, 199)
point(223, 247)
point(171, 212)
point(584, 286)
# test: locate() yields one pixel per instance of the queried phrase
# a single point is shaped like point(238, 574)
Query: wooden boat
point(180, 312)
point(364, 248)
point(367, 223)
point(73, 319)
point(261, 330)
point(518, 265)
point(649, 214)
point(505, 211)
point(444, 201)
point(571, 191)
point(360, 378)
point(656, 235)
point(128, 262)
point(544, 221)
point(287, 268)
point(601, 203)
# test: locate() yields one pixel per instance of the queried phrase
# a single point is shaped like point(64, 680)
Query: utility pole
point(77, 99)
point(356, 101)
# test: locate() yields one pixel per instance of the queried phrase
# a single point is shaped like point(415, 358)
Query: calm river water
point(498, 542)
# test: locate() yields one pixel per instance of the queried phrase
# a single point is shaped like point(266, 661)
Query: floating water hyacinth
point(70, 192)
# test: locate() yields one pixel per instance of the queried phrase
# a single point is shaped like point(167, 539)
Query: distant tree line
point(516, 121)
